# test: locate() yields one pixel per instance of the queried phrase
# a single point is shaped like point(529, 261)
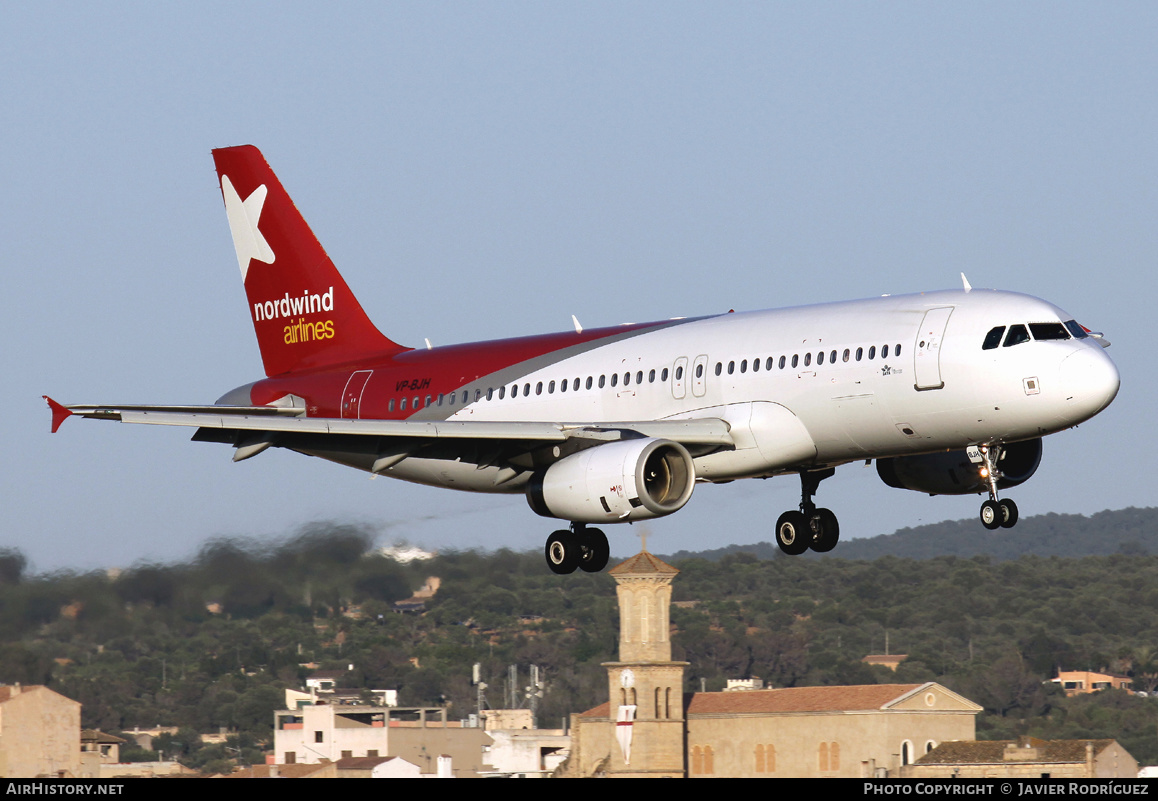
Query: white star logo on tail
point(243, 217)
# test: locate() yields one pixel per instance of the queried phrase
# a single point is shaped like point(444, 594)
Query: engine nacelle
point(635, 479)
point(953, 473)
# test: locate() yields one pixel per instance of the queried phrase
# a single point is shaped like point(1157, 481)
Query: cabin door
point(927, 348)
point(352, 394)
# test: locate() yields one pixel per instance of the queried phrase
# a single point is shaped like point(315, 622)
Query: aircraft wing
point(253, 428)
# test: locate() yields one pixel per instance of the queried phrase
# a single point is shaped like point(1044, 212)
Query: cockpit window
point(1047, 331)
point(1075, 329)
point(993, 338)
point(1017, 334)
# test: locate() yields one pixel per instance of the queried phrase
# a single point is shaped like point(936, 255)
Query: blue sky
point(487, 170)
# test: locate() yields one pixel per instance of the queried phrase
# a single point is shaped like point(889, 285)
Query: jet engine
point(635, 479)
point(953, 473)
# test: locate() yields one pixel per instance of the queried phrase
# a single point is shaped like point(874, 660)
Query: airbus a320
point(950, 392)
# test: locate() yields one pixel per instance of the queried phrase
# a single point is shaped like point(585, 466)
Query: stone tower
point(645, 685)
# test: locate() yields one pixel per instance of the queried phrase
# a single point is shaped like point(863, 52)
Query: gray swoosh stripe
point(509, 375)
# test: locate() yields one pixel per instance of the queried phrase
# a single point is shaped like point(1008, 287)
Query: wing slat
point(705, 431)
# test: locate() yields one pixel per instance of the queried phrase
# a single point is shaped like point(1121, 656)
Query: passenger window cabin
point(1018, 334)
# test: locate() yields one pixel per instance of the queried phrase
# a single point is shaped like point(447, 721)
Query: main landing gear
point(810, 527)
point(994, 513)
point(577, 547)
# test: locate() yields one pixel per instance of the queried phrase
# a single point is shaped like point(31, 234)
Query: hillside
point(212, 643)
point(1125, 531)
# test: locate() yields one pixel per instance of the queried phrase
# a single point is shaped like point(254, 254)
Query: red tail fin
point(303, 313)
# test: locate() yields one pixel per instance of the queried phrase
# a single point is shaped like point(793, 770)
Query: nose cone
point(1089, 382)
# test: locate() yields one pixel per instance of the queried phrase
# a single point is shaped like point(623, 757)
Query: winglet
point(965, 281)
point(59, 413)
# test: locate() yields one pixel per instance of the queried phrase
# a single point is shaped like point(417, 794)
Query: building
point(1081, 682)
point(377, 768)
point(651, 728)
point(891, 661)
point(1026, 758)
point(107, 747)
point(144, 737)
point(328, 732)
point(98, 750)
point(320, 770)
point(39, 733)
point(295, 699)
point(526, 753)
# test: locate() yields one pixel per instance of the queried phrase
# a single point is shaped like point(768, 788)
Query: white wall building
point(324, 732)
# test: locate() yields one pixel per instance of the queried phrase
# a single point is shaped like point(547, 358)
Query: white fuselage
point(935, 390)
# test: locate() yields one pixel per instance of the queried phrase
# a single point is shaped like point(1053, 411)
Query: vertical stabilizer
point(304, 315)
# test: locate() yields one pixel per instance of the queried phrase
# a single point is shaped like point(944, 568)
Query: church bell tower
point(645, 685)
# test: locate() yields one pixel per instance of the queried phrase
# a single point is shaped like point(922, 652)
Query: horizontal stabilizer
point(59, 413)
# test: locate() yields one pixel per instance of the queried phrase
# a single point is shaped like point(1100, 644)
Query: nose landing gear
point(577, 547)
point(818, 529)
point(995, 513)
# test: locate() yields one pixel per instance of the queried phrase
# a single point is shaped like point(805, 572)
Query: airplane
point(949, 392)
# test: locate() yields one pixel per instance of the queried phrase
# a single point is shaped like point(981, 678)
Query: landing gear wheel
point(1008, 513)
point(793, 534)
point(593, 550)
point(991, 515)
point(562, 552)
point(826, 531)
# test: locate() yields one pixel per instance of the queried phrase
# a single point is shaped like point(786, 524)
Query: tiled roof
point(643, 564)
point(993, 751)
point(787, 700)
point(6, 692)
point(601, 711)
point(799, 699)
point(361, 763)
point(297, 771)
point(98, 736)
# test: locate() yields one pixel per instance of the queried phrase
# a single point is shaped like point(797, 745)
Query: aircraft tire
point(562, 552)
point(1008, 513)
point(827, 530)
point(991, 515)
point(793, 534)
point(594, 551)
